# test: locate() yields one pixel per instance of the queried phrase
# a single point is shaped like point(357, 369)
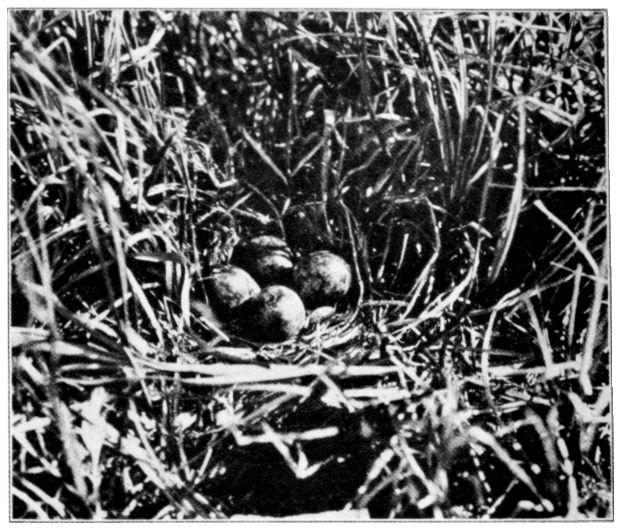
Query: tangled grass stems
point(456, 160)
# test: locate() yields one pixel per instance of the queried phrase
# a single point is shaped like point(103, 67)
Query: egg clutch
point(264, 293)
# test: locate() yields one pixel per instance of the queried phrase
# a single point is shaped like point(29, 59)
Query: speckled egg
point(228, 287)
point(322, 278)
point(267, 258)
point(277, 313)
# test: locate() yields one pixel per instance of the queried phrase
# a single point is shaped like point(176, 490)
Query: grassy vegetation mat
point(456, 161)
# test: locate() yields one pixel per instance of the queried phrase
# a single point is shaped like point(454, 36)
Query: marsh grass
point(457, 161)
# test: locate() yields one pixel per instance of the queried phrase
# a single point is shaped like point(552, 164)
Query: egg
point(267, 258)
point(321, 314)
point(228, 287)
point(322, 278)
point(277, 313)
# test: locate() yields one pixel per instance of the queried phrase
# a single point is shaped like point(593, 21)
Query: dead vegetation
point(457, 161)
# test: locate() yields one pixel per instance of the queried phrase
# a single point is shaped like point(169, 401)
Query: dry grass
point(456, 160)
